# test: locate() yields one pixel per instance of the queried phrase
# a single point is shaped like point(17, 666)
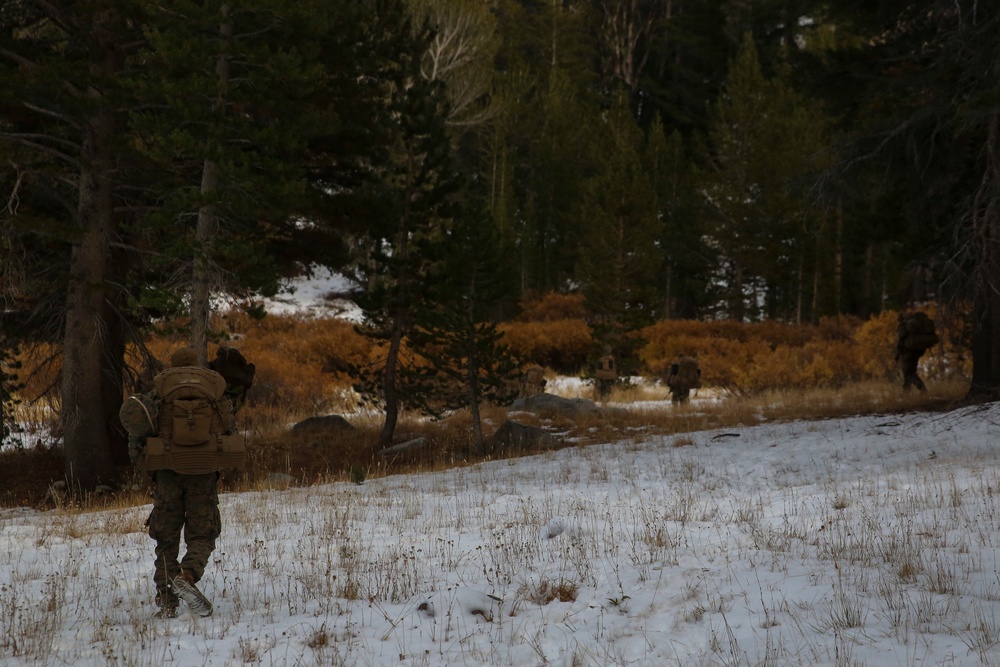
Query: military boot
point(167, 602)
point(183, 586)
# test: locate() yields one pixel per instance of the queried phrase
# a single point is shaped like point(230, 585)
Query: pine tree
point(549, 92)
point(619, 257)
point(763, 138)
point(227, 121)
point(924, 127)
point(62, 120)
point(465, 363)
point(684, 276)
point(411, 191)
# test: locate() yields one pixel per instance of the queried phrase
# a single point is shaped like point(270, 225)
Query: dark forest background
point(774, 160)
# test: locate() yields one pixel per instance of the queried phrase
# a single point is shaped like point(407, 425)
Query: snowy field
point(857, 542)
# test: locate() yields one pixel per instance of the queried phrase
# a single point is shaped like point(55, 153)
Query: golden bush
point(750, 358)
point(303, 363)
point(560, 344)
point(552, 307)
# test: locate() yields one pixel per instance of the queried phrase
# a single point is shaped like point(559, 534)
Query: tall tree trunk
point(667, 295)
point(799, 287)
point(867, 281)
point(400, 309)
point(201, 281)
point(207, 226)
point(736, 309)
point(389, 387)
point(113, 359)
point(85, 429)
point(986, 217)
point(472, 392)
point(838, 270)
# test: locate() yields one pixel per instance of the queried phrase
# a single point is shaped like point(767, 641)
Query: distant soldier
point(683, 376)
point(532, 381)
point(606, 374)
point(914, 335)
point(236, 371)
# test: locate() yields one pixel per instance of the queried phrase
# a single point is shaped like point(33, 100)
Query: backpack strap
point(149, 417)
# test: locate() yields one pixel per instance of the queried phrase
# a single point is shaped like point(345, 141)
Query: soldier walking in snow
point(683, 376)
point(606, 374)
point(194, 426)
point(914, 335)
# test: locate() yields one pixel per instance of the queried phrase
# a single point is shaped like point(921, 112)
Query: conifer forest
point(746, 160)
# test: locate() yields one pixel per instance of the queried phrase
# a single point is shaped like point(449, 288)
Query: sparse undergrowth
point(26, 475)
point(797, 541)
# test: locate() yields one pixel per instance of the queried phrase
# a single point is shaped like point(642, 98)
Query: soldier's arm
point(228, 415)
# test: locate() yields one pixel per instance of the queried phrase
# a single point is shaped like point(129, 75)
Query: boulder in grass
point(408, 447)
point(514, 436)
point(322, 425)
point(550, 404)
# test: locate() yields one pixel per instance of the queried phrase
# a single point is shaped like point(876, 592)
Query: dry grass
point(888, 566)
point(302, 371)
point(631, 414)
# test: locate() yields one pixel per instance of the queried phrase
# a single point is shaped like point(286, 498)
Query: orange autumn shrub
point(552, 306)
point(875, 340)
point(749, 358)
point(559, 344)
point(300, 361)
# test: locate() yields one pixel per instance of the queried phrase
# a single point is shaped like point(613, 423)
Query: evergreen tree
point(686, 68)
point(226, 121)
point(550, 93)
point(925, 127)
point(619, 257)
point(687, 261)
point(413, 185)
point(456, 333)
point(62, 121)
point(764, 136)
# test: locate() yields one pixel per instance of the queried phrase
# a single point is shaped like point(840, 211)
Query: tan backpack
point(916, 331)
point(688, 375)
point(192, 435)
point(606, 368)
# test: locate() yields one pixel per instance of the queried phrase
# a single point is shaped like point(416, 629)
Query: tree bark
point(838, 266)
point(207, 225)
point(389, 387)
point(85, 429)
point(986, 215)
point(201, 280)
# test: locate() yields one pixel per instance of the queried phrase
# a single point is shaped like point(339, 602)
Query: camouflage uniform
point(606, 374)
point(908, 351)
point(188, 504)
point(185, 504)
point(684, 375)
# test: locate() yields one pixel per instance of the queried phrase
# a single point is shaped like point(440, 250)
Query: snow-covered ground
point(858, 541)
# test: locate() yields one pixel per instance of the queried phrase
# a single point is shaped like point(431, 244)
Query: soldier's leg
point(165, 523)
point(605, 388)
point(203, 523)
point(910, 378)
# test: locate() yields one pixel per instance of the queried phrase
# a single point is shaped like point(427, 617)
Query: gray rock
point(552, 404)
point(408, 446)
point(279, 480)
point(514, 436)
point(321, 424)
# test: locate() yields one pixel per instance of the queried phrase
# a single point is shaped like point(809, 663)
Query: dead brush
point(302, 371)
